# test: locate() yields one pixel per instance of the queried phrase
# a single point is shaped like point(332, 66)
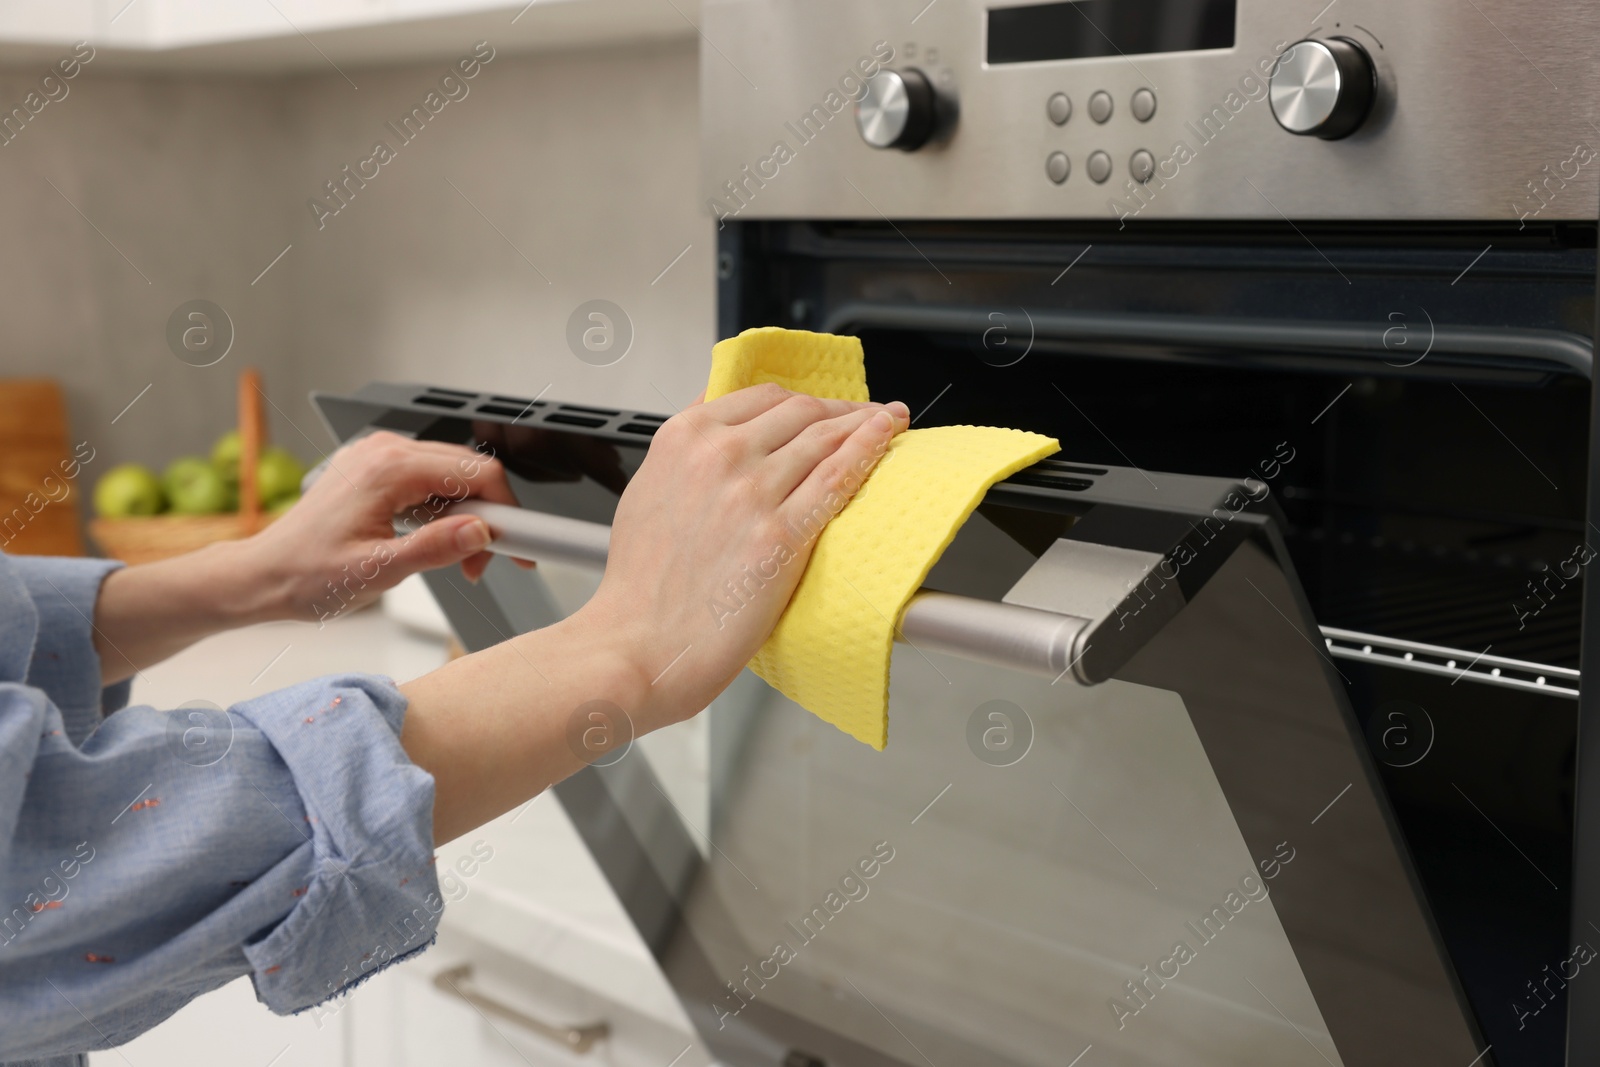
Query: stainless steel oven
point(1246, 731)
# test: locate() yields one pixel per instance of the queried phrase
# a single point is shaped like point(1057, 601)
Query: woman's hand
point(713, 533)
point(334, 550)
point(708, 544)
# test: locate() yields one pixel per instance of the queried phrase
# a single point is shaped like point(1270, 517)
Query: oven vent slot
point(1070, 468)
point(437, 391)
point(440, 402)
point(506, 410)
point(575, 420)
point(521, 401)
point(588, 411)
point(1048, 479)
point(650, 418)
point(639, 428)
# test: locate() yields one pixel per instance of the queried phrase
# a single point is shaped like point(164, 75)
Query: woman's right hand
point(712, 534)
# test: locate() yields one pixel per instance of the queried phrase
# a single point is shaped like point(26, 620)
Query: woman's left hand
point(334, 550)
point(337, 549)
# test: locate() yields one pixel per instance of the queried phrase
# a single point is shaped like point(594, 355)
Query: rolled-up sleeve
point(64, 662)
point(288, 837)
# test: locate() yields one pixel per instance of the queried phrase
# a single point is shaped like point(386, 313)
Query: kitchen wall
point(554, 182)
point(121, 201)
point(557, 179)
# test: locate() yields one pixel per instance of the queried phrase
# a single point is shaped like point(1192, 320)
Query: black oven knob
point(1323, 88)
point(900, 109)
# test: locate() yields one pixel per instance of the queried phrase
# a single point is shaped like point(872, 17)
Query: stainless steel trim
point(580, 1039)
point(1451, 662)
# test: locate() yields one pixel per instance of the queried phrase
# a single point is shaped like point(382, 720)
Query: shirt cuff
point(373, 896)
point(65, 664)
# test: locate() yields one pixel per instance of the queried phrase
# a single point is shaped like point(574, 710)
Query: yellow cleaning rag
point(830, 651)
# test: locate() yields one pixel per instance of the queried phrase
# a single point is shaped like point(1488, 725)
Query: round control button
point(1142, 165)
point(1099, 167)
point(1144, 104)
point(1059, 108)
point(1057, 167)
point(1100, 106)
point(1323, 88)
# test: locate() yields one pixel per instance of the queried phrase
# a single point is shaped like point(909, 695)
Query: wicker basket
point(145, 539)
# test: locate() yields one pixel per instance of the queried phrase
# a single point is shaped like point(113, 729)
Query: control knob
point(1323, 88)
point(900, 109)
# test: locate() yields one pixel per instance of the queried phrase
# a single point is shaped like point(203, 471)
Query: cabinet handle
point(457, 981)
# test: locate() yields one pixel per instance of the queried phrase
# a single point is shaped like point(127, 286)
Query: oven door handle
point(1020, 637)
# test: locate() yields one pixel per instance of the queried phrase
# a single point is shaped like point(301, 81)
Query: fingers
point(776, 427)
point(744, 404)
point(835, 478)
point(453, 539)
point(405, 473)
point(793, 463)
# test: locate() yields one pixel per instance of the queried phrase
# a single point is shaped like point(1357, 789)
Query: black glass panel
point(1090, 28)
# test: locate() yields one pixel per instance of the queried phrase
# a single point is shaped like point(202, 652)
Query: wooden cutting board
point(38, 498)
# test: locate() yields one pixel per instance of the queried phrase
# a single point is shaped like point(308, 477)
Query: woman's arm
point(724, 498)
point(729, 498)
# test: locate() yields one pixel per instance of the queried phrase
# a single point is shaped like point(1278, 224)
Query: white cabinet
point(309, 35)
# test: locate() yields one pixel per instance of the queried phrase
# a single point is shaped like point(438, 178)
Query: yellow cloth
point(830, 651)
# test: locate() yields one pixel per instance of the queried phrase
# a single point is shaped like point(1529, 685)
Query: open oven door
point(1172, 850)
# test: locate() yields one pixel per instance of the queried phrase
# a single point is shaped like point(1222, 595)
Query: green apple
point(278, 475)
point(225, 456)
point(195, 487)
point(128, 489)
point(283, 504)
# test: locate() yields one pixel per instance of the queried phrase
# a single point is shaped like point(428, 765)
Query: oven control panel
point(1125, 109)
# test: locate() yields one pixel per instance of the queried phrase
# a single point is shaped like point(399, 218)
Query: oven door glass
point(1054, 867)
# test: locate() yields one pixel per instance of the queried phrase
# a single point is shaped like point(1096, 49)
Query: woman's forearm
point(498, 727)
point(149, 612)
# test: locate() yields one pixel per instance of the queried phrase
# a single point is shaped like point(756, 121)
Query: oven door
point(1174, 850)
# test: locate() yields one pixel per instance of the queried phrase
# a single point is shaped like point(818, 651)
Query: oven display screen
point(1085, 29)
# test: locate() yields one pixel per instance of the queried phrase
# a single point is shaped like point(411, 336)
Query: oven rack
point(1453, 663)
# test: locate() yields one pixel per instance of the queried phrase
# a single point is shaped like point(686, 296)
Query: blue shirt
point(149, 856)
